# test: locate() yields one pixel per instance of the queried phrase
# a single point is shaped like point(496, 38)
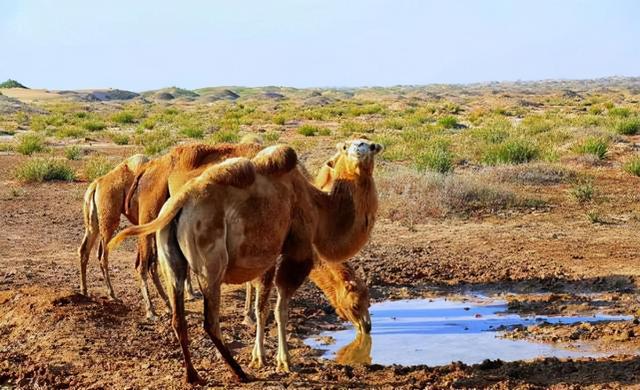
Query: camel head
point(354, 158)
point(352, 303)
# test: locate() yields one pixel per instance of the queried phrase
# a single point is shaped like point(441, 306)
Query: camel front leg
point(282, 316)
point(289, 277)
point(247, 305)
point(263, 290)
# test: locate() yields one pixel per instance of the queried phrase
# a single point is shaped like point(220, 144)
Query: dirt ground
point(558, 262)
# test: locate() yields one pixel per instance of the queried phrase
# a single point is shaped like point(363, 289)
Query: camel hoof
point(283, 367)
point(242, 377)
point(193, 296)
point(248, 321)
point(152, 317)
point(257, 362)
point(193, 378)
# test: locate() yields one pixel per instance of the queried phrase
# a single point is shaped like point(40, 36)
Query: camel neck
point(346, 218)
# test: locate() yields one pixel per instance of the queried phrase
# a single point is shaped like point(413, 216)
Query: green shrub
point(119, 138)
point(351, 127)
point(271, 136)
point(44, 169)
point(308, 130)
point(73, 152)
point(192, 132)
point(70, 131)
point(225, 135)
point(155, 141)
point(448, 122)
point(279, 119)
point(515, 151)
point(594, 216)
point(595, 146)
point(96, 167)
point(620, 112)
point(633, 166)
point(437, 158)
point(149, 123)
point(583, 192)
point(93, 125)
point(30, 143)
point(123, 117)
point(628, 126)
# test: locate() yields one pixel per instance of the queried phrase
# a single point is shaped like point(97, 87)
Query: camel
point(217, 221)
point(346, 292)
point(103, 204)
point(150, 190)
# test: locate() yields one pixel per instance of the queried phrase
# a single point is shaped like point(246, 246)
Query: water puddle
point(440, 331)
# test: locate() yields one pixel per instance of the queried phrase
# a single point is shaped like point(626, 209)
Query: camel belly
point(238, 275)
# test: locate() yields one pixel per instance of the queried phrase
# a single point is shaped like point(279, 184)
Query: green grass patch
point(44, 169)
point(596, 146)
point(308, 130)
point(123, 117)
point(628, 126)
point(633, 166)
point(155, 141)
point(514, 151)
point(93, 125)
point(73, 153)
point(192, 132)
point(437, 158)
point(30, 143)
point(224, 135)
point(96, 167)
point(448, 122)
point(583, 192)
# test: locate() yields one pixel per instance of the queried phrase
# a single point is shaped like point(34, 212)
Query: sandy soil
point(52, 337)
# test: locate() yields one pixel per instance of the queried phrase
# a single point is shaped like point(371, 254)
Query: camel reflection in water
point(356, 352)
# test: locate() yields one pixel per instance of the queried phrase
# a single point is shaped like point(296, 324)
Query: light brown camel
point(220, 231)
point(102, 206)
point(150, 190)
point(356, 352)
point(346, 292)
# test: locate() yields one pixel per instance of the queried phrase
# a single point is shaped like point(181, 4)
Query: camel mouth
point(364, 325)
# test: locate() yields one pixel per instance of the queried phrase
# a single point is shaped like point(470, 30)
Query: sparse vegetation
point(628, 126)
point(514, 151)
point(632, 166)
point(96, 167)
point(44, 169)
point(30, 143)
point(595, 146)
point(583, 192)
point(73, 152)
point(308, 130)
point(123, 117)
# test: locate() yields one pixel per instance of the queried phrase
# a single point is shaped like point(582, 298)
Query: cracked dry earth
point(556, 260)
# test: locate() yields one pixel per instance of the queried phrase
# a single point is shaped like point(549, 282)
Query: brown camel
point(103, 204)
point(356, 352)
point(219, 229)
point(150, 190)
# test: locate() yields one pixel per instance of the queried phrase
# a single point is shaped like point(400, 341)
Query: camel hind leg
point(247, 305)
point(91, 232)
point(103, 257)
point(173, 266)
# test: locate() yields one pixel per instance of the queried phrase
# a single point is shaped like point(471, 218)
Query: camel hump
point(275, 160)
point(237, 172)
point(134, 162)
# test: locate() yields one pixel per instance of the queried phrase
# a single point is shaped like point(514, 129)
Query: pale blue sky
point(146, 44)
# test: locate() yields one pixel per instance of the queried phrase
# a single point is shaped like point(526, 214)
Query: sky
point(148, 44)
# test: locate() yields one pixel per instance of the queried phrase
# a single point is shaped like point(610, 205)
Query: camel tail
point(131, 192)
point(89, 209)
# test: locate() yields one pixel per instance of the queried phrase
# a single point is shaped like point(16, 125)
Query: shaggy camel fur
point(150, 190)
point(103, 204)
point(220, 231)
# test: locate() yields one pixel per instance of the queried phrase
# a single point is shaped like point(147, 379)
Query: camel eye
point(372, 147)
point(356, 307)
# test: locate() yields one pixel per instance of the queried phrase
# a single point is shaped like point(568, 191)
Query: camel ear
point(378, 148)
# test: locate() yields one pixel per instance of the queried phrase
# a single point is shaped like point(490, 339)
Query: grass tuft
point(44, 169)
point(29, 144)
point(96, 167)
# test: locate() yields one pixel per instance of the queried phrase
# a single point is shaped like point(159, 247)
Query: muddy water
point(439, 331)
